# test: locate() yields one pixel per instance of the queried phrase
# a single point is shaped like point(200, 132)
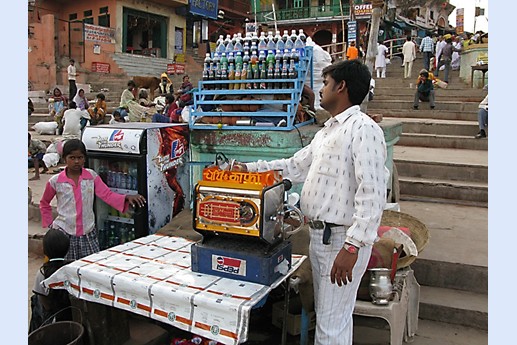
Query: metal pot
point(380, 285)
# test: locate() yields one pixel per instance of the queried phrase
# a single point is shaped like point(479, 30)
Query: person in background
point(72, 74)
point(129, 107)
point(184, 92)
point(483, 118)
point(46, 302)
point(37, 150)
point(170, 112)
point(426, 47)
point(343, 196)
point(80, 100)
point(165, 86)
point(424, 89)
point(75, 189)
point(74, 121)
point(31, 107)
point(456, 57)
point(352, 52)
point(98, 110)
point(58, 105)
point(439, 45)
point(143, 99)
point(446, 58)
point(380, 60)
point(409, 53)
point(116, 118)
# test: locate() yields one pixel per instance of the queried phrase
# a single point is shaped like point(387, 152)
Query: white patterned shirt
point(343, 173)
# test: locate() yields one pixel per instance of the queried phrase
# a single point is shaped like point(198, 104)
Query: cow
point(151, 83)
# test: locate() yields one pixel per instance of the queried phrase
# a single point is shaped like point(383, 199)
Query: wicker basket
point(419, 232)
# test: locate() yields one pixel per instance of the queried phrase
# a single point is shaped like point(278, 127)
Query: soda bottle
point(247, 39)
point(271, 45)
point(220, 45)
point(112, 235)
point(216, 58)
point(205, 75)
point(231, 58)
point(224, 76)
point(263, 75)
point(254, 38)
point(244, 75)
point(238, 75)
point(302, 36)
point(285, 36)
point(277, 73)
point(270, 58)
point(284, 75)
point(103, 231)
point(249, 75)
point(296, 57)
point(293, 36)
point(270, 75)
point(262, 46)
point(208, 59)
point(277, 37)
point(280, 45)
point(237, 46)
point(246, 58)
point(224, 61)
point(238, 60)
point(131, 233)
point(231, 75)
point(293, 73)
point(218, 76)
point(123, 233)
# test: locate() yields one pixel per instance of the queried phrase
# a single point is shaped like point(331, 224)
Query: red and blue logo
point(117, 135)
point(177, 149)
point(229, 265)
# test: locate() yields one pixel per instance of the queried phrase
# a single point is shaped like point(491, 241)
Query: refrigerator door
point(121, 175)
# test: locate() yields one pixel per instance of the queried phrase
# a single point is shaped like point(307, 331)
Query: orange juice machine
point(241, 217)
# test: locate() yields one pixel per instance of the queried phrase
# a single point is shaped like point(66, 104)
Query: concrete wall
point(469, 58)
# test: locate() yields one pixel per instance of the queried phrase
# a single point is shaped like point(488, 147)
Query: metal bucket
point(58, 333)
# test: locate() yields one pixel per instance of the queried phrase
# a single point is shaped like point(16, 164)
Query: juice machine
point(241, 217)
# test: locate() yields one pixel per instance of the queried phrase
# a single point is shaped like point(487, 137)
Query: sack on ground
point(45, 127)
point(441, 84)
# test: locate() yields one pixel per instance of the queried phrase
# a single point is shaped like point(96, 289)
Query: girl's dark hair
point(72, 145)
point(356, 76)
point(55, 244)
point(101, 96)
point(170, 98)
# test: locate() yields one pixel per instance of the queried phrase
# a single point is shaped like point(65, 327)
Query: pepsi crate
point(242, 259)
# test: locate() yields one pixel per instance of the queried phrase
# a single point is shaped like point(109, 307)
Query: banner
point(363, 11)
point(459, 21)
point(205, 8)
point(99, 33)
point(352, 30)
point(100, 67)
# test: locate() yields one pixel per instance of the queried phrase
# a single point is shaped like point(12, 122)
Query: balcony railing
point(304, 13)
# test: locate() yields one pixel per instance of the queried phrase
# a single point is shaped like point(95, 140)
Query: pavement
point(455, 233)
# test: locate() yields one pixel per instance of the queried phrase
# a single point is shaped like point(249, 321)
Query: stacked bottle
point(113, 233)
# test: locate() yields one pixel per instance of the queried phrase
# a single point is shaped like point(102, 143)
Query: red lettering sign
point(180, 68)
point(171, 68)
point(100, 67)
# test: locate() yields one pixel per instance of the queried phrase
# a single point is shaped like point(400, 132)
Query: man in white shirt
point(344, 192)
point(409, 53)
point(75, 120)
point(72, 74)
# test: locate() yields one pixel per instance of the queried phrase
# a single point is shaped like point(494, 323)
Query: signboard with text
point(100, 67)
point(175, 68)
point(352, 30)
point(99, 33)
point(459, 20)
point(363, 11)
point(205, 8)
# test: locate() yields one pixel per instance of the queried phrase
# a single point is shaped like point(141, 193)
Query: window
point(72, 16)
point(88, 20)
point(104, 20)
point(88, 13)
point(103, 10)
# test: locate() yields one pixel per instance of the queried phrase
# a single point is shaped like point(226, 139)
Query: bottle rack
point(292, 99)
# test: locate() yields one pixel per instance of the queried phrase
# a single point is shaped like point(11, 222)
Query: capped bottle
point(220, 47)
point(270, 42)
point(262, 45)
point(231, 75)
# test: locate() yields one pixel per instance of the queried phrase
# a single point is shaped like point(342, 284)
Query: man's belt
point(319, 225)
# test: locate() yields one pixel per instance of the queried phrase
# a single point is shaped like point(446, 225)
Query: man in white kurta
point(409, 53)
point(380, 60)
point(344, 185)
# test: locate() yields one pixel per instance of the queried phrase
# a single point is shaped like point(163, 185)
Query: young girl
point(46, 302)
point(75, 189)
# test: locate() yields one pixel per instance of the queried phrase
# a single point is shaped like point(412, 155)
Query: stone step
point(441, 127)
point(451, 171)
point(139, 65)
point(426, 113)
point(454, 306)
point(443, 141)
point(395, 91)
point(405, 104)
point(444, 189)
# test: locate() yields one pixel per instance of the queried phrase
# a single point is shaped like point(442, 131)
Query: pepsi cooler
point(144, 158)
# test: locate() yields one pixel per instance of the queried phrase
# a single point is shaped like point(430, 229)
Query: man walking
point(72, 74)
point(446, 58)
point(426, 47)
point(344, 193)
point(409, 53)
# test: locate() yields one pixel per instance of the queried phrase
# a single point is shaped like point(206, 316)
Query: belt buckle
point(317, 224)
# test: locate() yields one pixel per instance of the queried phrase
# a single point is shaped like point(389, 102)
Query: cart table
point(151, 276)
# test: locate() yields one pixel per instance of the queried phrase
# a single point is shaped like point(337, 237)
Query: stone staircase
point(443, 179)
point(452, 125)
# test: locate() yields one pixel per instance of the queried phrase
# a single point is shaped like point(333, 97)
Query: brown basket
point(419, 232)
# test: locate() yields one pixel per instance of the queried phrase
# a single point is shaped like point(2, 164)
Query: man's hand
point(342, 267)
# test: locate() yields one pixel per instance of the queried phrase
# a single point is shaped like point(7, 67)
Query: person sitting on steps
point(482, 118)
point(424, 89)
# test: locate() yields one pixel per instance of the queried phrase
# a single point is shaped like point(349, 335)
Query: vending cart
point(144, 158)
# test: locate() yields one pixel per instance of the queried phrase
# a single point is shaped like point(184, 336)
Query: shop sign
point(205, 8)
point(98, 33)
point(363, 11)
point(352, 30)
point(100, 67)
point(175, 68)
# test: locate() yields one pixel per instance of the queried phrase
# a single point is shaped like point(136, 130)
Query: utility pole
point(371, 51)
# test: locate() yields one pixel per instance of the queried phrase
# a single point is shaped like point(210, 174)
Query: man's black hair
point(72, 105)
point(101, 96)
point(356, 76)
